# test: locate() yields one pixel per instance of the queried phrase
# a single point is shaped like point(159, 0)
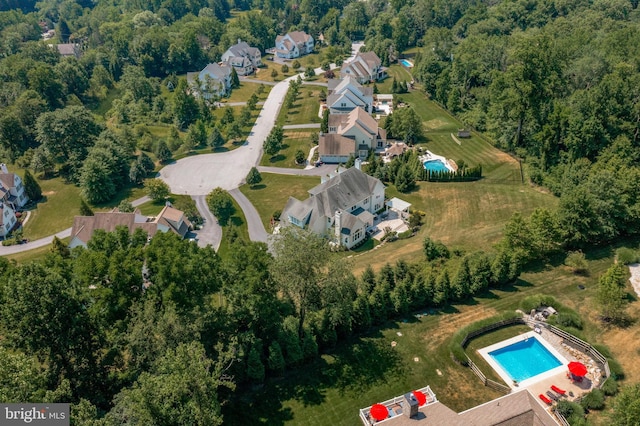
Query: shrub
point(567, 319)
point(284, 68)
point(568, 408)
point(276, 214)
point(577, 262)
point(300, 157)
point(406, 234)
point(626, 256)
point(610, 386)
point(593, 400)
point(295, 64)
point(537, 301)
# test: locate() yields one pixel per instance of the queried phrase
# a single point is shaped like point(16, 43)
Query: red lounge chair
point(558, 390)
point(544, 399)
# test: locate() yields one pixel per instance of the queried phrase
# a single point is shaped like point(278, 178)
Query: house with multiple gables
point(342, 207)
point(213, 80)
point(355, 133)
point(293, 45)
point(12, 192)
point(168, 220)
point(346, 94)
point(365, 67)
point(244, 58)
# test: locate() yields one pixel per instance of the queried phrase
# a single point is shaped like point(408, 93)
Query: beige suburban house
point(294, 44)
point(244, 58)
point(168, 220)
point(346, 94)
point(355, 133)
point(365, 67)
point(213, 80)
point(341, 208)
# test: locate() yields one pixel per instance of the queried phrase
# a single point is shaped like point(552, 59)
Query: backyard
point(362, 371)
point(294, 140)
point(305, 108)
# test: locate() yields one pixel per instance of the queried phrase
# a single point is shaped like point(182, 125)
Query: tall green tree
point(185, 106)
point(221, 205)
point(32, 187)
point(215, 139)
point(254, 177)
point(157, 189)
point(612, 293)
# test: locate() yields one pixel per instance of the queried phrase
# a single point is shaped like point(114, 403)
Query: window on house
point(343, 104)
point(357, 235)
point(379, 143)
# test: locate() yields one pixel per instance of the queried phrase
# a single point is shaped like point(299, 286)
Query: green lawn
point(305, 108)
point(32, 255)
point(293, 141)
point(61, 201)
point(362, 371)
point(274, 191)
point(264, 73)
point(102, 107)
point(244, 92)
point(397, 71)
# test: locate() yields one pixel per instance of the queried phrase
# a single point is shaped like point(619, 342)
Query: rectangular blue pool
point(525, 359)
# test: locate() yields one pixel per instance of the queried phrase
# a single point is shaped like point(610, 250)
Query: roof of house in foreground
point(515, 409)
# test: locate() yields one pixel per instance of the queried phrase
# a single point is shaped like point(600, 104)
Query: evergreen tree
point(612, 293)
point(215, 139)
point(59, 247)
point(255, 368)
point(162, 151)
point(275, 360)
point(461, 284)
point(31, 186)
point(254, 177)
point(235, 80)
point(85, 210)
point(324, 126)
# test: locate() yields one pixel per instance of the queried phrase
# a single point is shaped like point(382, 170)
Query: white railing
point(368, 421)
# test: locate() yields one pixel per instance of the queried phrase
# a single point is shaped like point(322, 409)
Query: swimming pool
point(406, 63)
point(525, 359)
point(436, 166)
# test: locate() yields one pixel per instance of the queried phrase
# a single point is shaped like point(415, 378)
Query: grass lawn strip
point(293, 140)
point(305, 108)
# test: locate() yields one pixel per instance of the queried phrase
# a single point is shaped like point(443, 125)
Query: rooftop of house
point(335, 144)
point(242, 48)
point(68, 49)
point(356, 117)
point(299, 36)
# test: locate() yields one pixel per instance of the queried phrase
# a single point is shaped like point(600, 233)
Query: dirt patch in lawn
point(436, 123)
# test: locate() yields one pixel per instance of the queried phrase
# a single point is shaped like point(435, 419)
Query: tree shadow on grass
point(220, 149)
point(276, 158)
point(258, 186)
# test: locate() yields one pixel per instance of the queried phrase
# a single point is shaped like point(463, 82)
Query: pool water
point(525, 359)
point(436, 166)
point(406, 63)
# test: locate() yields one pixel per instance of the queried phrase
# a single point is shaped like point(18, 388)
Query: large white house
point(213, 80)
point(12, 192)
point(7, 219)
point(342, 207)
point(365, 67)
point(347, 94)
point(294, 44)
point(244, 58)
point(350, 134)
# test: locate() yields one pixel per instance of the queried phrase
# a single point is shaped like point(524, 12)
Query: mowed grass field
point(305, 108)
point(293, 140)
point(363, 371)
point(274, 191)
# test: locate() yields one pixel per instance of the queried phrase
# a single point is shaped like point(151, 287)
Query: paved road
point(301, 126)
point(323, 170)
point(200, 174)
point(211, 232)
point(254, 223)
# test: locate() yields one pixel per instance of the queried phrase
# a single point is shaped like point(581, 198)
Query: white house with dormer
point(341, 208)
point(12, 191)
point(346, 94)
point(353, 134)
point(244, 58)
point(213, 80)
point(365, 67)
point(294, 44)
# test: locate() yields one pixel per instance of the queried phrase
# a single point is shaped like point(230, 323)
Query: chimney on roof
point(338, 224)
point(3, 167)
point(410, 405)
point(358, 164)
point(239, 40)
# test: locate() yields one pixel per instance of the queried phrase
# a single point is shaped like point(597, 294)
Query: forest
point(166, 332)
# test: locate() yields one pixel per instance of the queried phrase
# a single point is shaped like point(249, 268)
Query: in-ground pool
point(525, 359)
point(436, 166)
point(406, 63)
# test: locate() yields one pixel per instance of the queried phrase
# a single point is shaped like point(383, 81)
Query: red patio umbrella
point(420, 397)
point(577, 369)
point(379, 412)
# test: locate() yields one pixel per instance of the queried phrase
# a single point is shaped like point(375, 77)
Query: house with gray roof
point(293, 45)
point(365, 67)
point(244, 58)
point(214, 80)
point(7, 219)
point(12, 191)
point(346, 94)
point(342, 207)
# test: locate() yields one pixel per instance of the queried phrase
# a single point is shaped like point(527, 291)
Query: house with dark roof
point(244, 58)
point(349, 134)
point(365, 67)
point(12, 191)
point(346, 94)
point(294, 44)
point(168, 220)
point(341, 208)
point(213, 80)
